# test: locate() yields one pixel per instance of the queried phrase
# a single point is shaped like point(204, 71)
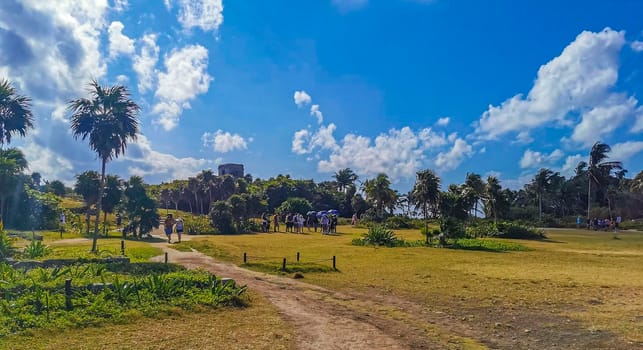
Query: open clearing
point(579, 289)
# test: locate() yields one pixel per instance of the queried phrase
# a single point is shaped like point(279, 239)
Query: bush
point(221, 218)
point(197, 225)
point(6, 245)
point(36, 249)
point(486, 245)
point(517, 231)
point(631, 225)
point(378, 235)
point(397, 222)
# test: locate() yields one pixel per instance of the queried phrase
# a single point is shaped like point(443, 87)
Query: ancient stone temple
point(235, 170)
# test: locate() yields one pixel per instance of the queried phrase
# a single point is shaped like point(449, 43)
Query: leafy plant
point(380, 235)
point(6, 245)
point(36, 249)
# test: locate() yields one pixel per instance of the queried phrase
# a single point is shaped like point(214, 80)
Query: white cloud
point(144, 62)
point(122, 79)
point(625, 150)
point(533, 159)
point(146, 161)
point(637, 45)
point(571, 162)
point(452, 159)
point(399, 153)
point(577, 82)
point(299, 142)
point(204, 14)
point(119, 43)
point(638, 123)
point(47, 162)
point(302, 98)
point(524, 138)
point(224, 142)
point(185, 77)
point(53, 41)
point(443, 121)
point(120, 5)
point(603, 119)
point(315, 112)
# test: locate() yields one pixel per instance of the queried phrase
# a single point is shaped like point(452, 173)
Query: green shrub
point(36, 249)
point(484, 229)
point(517, 231)
point(197, 224)
point(398, 222)
point(6, 245)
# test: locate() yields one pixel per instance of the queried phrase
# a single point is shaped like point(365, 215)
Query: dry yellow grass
point(586, 275)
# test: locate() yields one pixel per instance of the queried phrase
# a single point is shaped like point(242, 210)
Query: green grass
point(561, 275)
point(489, 245)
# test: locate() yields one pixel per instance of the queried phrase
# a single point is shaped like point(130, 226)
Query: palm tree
point(637, 183)
point(541, 184)
point(112, 197)
point(492, 193)
point(194, 186)
point(15, 113)
point(426, 195)
point(12, 164)
point(109, 120)
point(599, 169)
point(207, 179)
point(476, 189)
point(86, 186)
point(345, 178)
point(378, 190)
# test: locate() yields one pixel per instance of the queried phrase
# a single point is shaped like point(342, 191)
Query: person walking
point(275, 222)
point(169, 225)
point(324, 223)
point(179, 228)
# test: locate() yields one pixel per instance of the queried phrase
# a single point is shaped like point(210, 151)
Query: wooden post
point(297, 256)
point(245, 257)
point(122, 247)
point(283, 265)
point(166, 257)
point(68, 304)
point(334, 263)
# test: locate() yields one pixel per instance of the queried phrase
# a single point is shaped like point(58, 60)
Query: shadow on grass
point(143, 268)
point(276, 267)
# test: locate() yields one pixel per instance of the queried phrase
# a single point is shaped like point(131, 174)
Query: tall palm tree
point(492, 194)
point(378, 190)
point(599, 169)
point(345, 178)
point(12, 164)
point(15, 113)
point(109, 119)
point(541, 184)
point(426, 195)
point(194, 186)
point(476, 189)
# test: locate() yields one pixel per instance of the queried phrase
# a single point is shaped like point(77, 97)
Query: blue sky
point(309, 87)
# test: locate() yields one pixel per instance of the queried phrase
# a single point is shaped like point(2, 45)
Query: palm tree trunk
point(540, 208)
point(2, 200)
point(99, 204)
point(196, 202)
point(589, 194)
point(105, 223)
point(426, 223)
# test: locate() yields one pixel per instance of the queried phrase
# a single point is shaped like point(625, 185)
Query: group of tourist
point(296, 222)
point(606, 224)
point(170, 225)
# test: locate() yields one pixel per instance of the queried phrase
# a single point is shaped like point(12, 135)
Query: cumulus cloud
point(578, 82)
point(302, 98)
point(204, 14)
point(524, 138)
point(315, 112)
point(637, 45)
point(120, 5)
point(399, 152)
point(224, 142)
point(119, 43)
point(571, 162)
point(443, 121)
point(144, 161)
point(47, 162)
point(144, 62)
point(185, 77)
point(625, 150)
point(535, 159)
point(53, 41)
point(452, 159)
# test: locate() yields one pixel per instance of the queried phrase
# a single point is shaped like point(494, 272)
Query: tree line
point(108, 120)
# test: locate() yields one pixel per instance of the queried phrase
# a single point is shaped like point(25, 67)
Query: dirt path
point(327, 319)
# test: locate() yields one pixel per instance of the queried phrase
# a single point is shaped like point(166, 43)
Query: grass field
point(591, 278)
point(588, 276)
